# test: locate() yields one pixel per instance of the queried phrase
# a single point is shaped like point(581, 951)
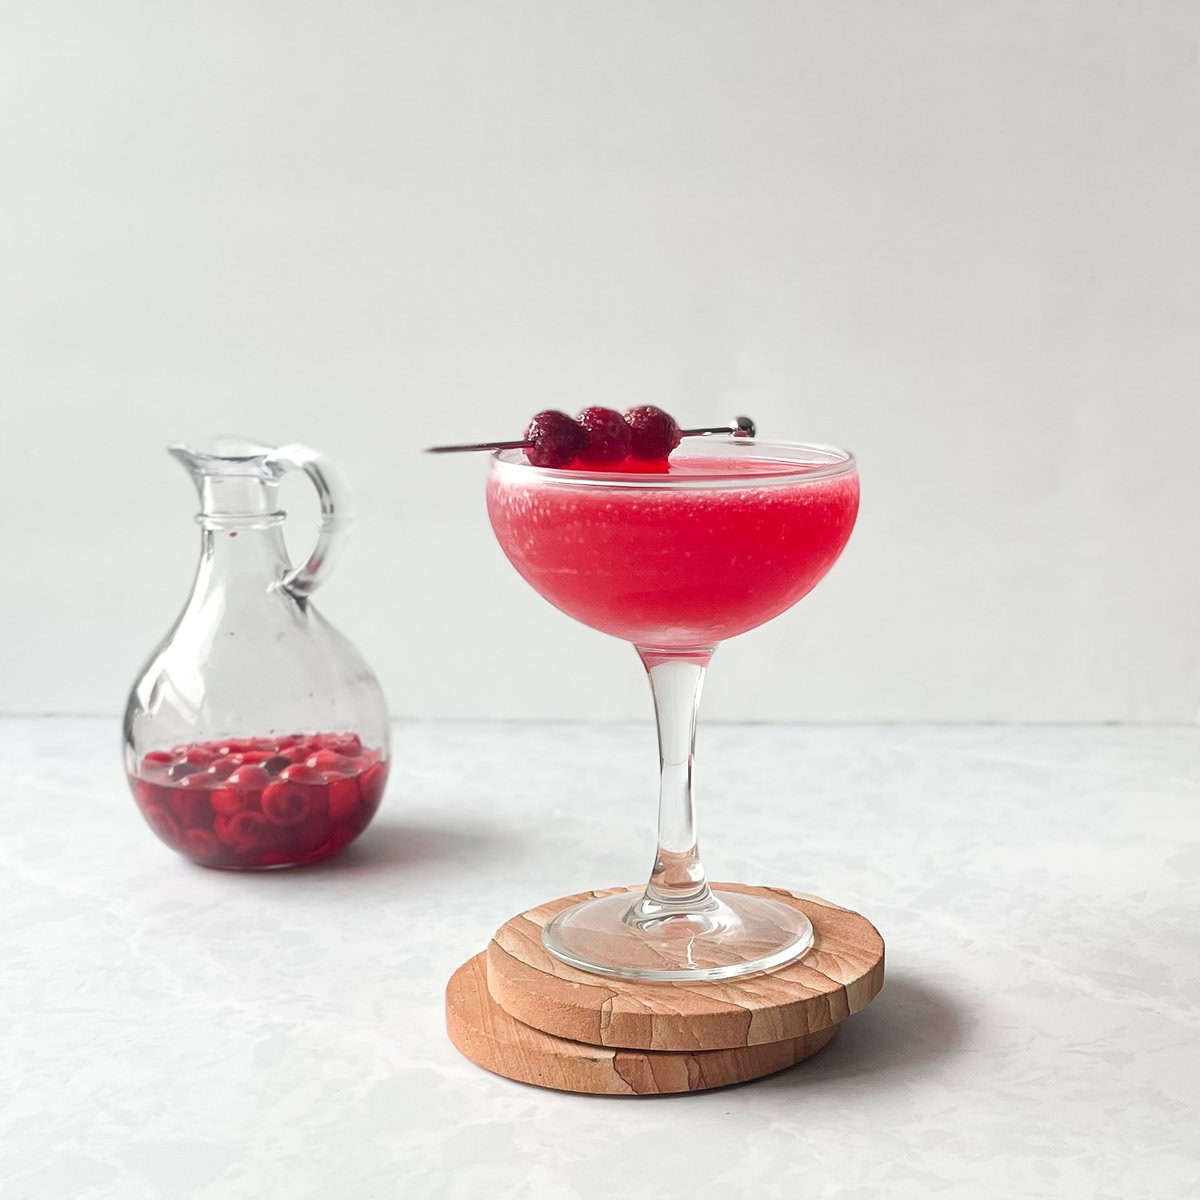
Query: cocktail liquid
point(679, 567)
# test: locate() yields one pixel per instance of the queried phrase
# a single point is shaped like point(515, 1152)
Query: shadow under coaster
point(518, 1011)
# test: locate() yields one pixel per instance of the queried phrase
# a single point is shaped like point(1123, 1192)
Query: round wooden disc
point(840, 975)
point(490, 1038)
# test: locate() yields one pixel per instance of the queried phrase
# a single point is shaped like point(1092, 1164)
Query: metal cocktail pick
point(739, 427)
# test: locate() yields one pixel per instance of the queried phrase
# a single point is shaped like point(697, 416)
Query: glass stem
point(677, 883)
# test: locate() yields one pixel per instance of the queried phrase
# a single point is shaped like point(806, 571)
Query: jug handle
point(303, 580)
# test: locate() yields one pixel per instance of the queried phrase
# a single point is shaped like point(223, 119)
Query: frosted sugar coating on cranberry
point(600, 438)
point(556, 439)
point(254, 803)
point(653, 433)
point(607, 435)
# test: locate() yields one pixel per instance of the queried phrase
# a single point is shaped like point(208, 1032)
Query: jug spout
point(233, 475)
point(238, 481)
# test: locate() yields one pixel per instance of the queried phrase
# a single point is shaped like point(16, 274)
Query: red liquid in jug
point(261, 802)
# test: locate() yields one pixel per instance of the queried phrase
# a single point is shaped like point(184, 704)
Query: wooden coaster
point(483, 1032)
point(840, 975)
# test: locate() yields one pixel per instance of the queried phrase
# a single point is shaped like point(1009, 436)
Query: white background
point(960, 238)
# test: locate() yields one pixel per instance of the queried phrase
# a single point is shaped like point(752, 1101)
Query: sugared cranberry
point(654, 433)
point(607, 436)
point(557, 440)
point(286, 803)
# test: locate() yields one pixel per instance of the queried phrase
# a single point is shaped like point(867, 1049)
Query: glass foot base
point(734, 934)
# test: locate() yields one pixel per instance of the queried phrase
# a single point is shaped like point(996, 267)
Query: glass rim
point(830, 462)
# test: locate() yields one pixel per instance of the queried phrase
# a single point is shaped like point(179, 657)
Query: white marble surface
point(171, 1032)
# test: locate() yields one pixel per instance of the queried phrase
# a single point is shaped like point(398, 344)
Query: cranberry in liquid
point(254, 803)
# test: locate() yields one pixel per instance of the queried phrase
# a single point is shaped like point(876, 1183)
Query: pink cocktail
point(676, 557)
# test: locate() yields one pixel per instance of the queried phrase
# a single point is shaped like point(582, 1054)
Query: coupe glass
point(676, 560)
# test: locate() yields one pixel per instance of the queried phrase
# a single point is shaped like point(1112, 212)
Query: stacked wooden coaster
point(518, 1011)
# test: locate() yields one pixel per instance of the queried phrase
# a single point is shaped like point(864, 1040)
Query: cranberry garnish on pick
point(556, 439)
point(653, 433)
point(608, 436)
point(646, 433)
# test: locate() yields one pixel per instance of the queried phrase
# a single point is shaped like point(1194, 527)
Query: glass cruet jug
point(257, 736)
